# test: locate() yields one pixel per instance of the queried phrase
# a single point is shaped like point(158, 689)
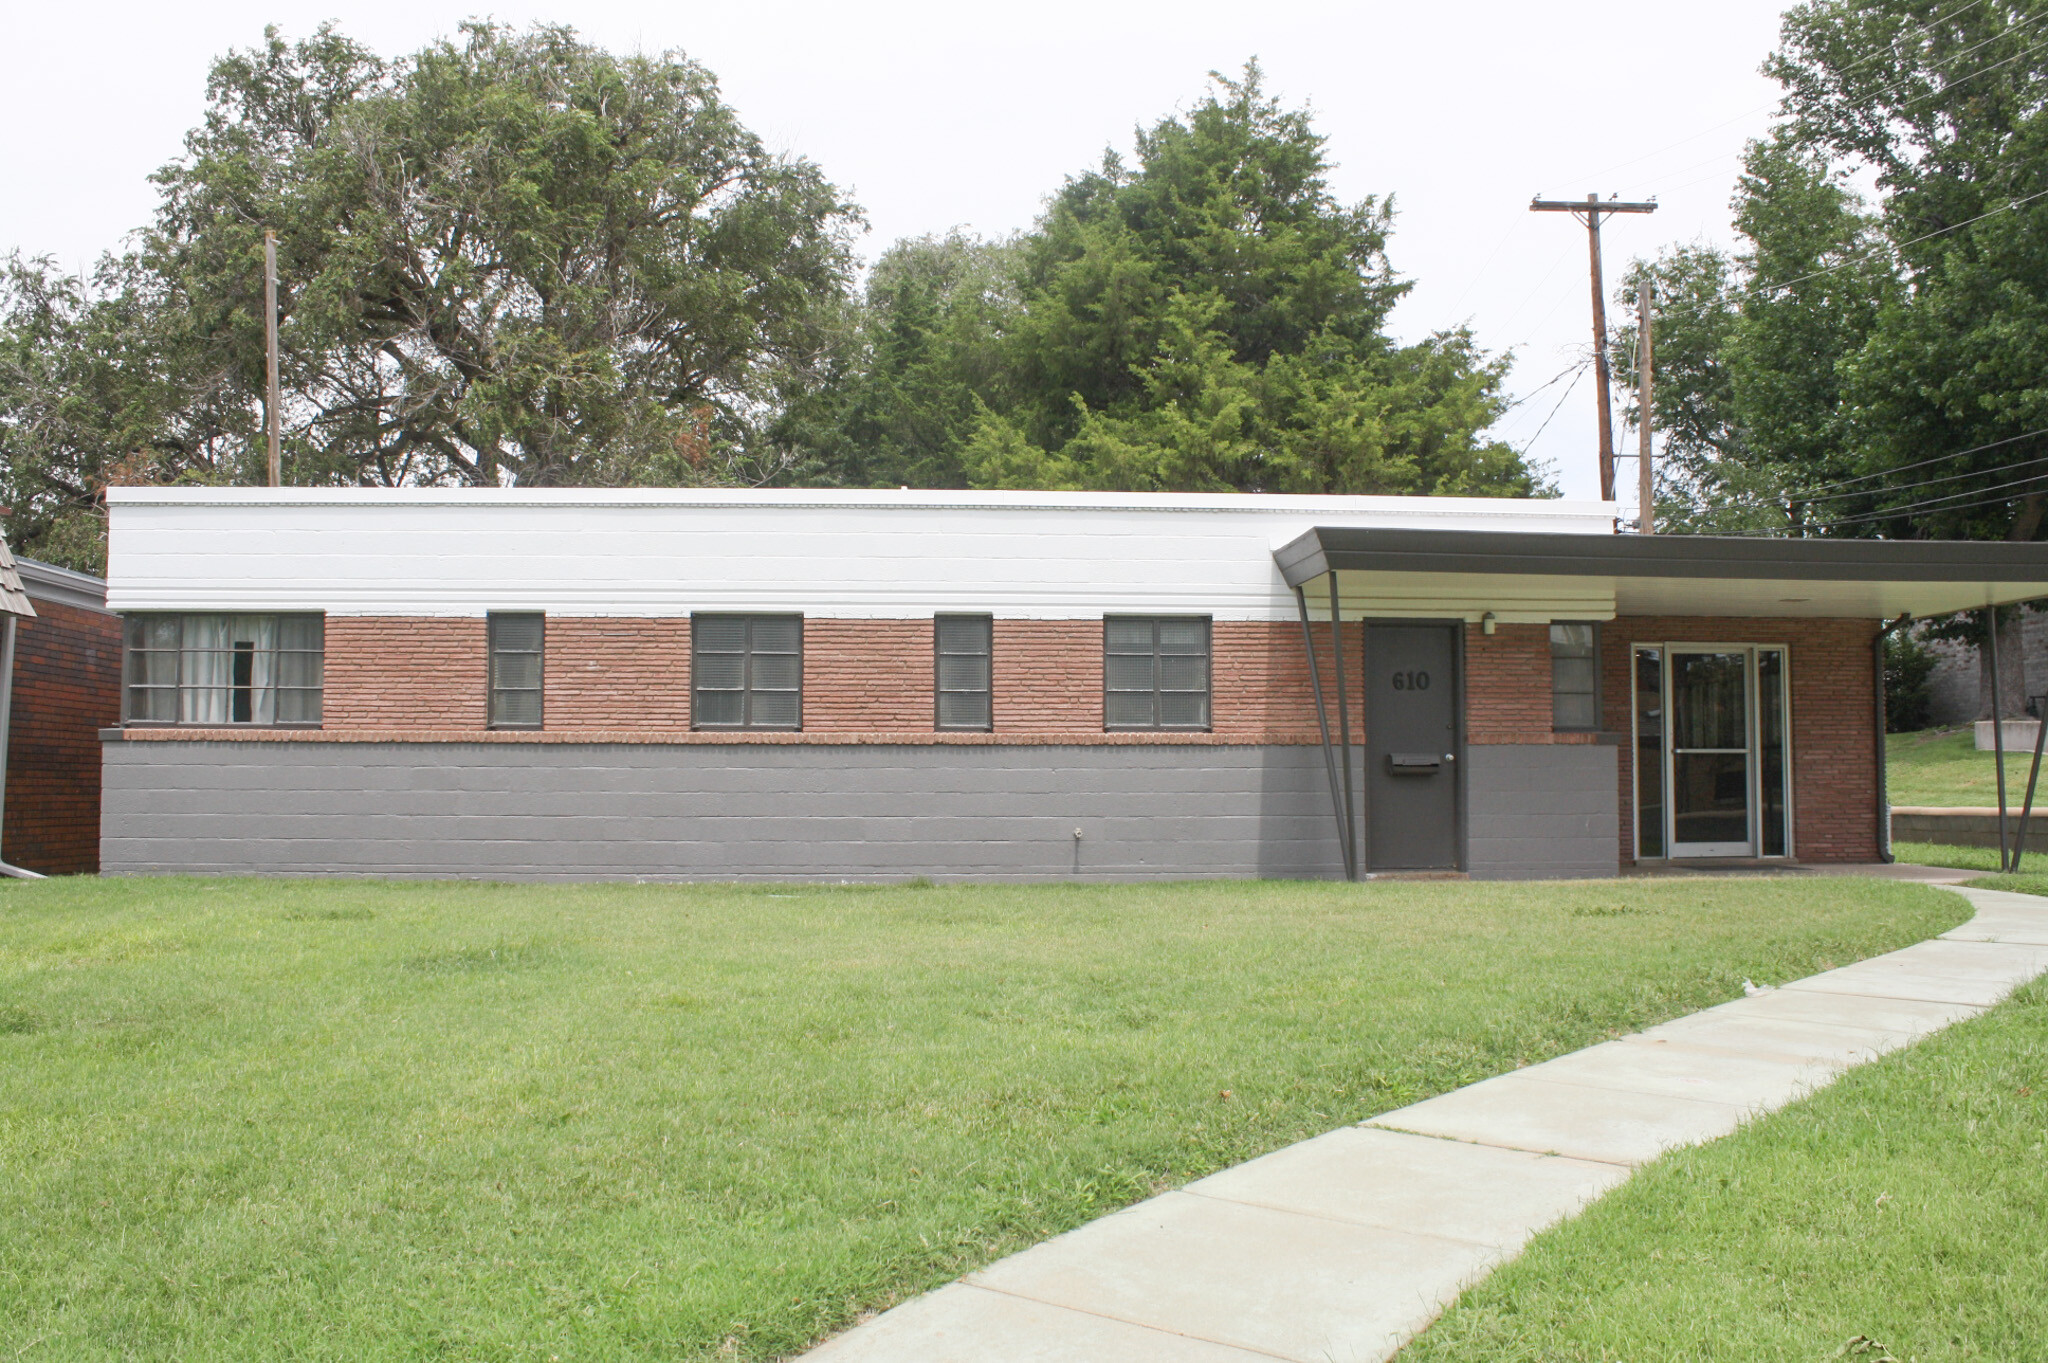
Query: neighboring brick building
point(776, 685)
point(66, 688)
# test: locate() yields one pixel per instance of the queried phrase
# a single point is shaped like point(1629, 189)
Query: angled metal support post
point(1315, 681)
point(2019, 841)
point(1997, 733)
point(1344, 726)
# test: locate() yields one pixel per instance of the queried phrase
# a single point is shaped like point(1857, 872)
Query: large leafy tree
point(1880, 368)
point(1207, 317)
point(509, 256)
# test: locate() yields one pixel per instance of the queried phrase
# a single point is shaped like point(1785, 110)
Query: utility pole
point(1646, 357)
point(1590, 212)
point(270, 416)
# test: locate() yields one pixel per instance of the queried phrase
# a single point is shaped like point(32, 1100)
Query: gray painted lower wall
point(1538, 811)
point(571, 811)
point(717, 812)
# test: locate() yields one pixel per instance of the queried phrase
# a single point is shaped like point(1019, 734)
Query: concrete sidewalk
point(1341, 1248)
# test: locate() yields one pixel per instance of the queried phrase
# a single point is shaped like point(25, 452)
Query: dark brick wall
point(67, 686)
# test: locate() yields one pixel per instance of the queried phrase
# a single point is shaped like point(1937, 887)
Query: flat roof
point(844, 499)
point(1676, 574)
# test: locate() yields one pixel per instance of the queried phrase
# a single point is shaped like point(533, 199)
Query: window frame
point(491, 687)
point(1593, 657)
point(1208, 693)
point(747, 723)
point(987, 655)
point(177, 687)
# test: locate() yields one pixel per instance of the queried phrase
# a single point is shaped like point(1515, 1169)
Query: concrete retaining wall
point(1965, 827)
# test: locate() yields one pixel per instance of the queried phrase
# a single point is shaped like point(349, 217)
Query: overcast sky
point(938, 116)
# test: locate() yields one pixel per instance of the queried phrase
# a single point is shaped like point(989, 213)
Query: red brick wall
point(67, 686)
point(1833, 701)
point(405, 672)
point(614, 672)
point(1507, 684)
point(872, 676)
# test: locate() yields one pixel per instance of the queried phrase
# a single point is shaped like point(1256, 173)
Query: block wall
point(67, 686)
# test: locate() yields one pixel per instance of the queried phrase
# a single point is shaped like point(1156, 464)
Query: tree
point(509, 256)
point(1879, 369)
point(1751, 347)
point(1208, 318)
point(910, 367)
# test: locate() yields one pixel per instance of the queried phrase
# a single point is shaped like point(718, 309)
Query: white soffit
point(1527, 599)
point(1805, 598)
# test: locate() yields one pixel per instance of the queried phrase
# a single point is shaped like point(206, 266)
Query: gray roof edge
point(1579, 555)
point(62, 586)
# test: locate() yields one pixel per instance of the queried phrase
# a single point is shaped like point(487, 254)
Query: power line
point(1935, 503)
point(1573, 388)
point(1908, 468)
point(1899, 85)
point(1925, 482)
point(1570, 369)
point(1912, 241)
point(1921, 31)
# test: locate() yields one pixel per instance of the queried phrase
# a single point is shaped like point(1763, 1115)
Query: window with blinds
point(518, 644)
point(216, 670)
point(962, 683)
point(1155, 672)
point(747, 671)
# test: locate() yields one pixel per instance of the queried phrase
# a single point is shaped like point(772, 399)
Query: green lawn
point(1942, 768)
point(1903, 1207)
point(255, 1120)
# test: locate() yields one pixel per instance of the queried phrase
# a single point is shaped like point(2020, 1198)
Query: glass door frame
point(1753, 726)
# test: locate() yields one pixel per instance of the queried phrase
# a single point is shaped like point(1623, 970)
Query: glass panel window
point(747, 671)
point(219, 670)
point(1574, 676)
point(1771, 742)
point(962, 683)
point(1649, 688)
point(518, 643)
point(1155, 672)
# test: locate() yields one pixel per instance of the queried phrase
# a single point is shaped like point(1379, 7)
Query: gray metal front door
point(1411, 749)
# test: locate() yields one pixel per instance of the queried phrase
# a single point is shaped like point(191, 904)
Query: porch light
point(1487, 622)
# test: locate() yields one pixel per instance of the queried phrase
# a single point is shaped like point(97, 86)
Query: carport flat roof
point(1669, 574)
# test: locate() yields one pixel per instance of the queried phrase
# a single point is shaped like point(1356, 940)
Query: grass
point(2034, 881)
point(1943, 769)
point(246, 1119)
point(1895, 1215)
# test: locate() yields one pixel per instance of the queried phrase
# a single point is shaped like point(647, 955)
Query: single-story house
point(777, 684)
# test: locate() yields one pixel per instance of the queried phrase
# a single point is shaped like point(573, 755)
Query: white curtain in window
point(261, 631)
point(205, 668)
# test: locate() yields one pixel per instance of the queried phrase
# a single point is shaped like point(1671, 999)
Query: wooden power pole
point(270, 416)
point(1590, 212)
point(1646, 363)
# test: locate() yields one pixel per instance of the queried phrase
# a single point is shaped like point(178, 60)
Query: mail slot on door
point(1413, 763)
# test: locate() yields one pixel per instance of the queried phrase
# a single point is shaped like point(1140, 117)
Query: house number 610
point(1411, 681)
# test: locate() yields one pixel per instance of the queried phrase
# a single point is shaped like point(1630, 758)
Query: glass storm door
point(1713, 776)
point(1710, 757)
